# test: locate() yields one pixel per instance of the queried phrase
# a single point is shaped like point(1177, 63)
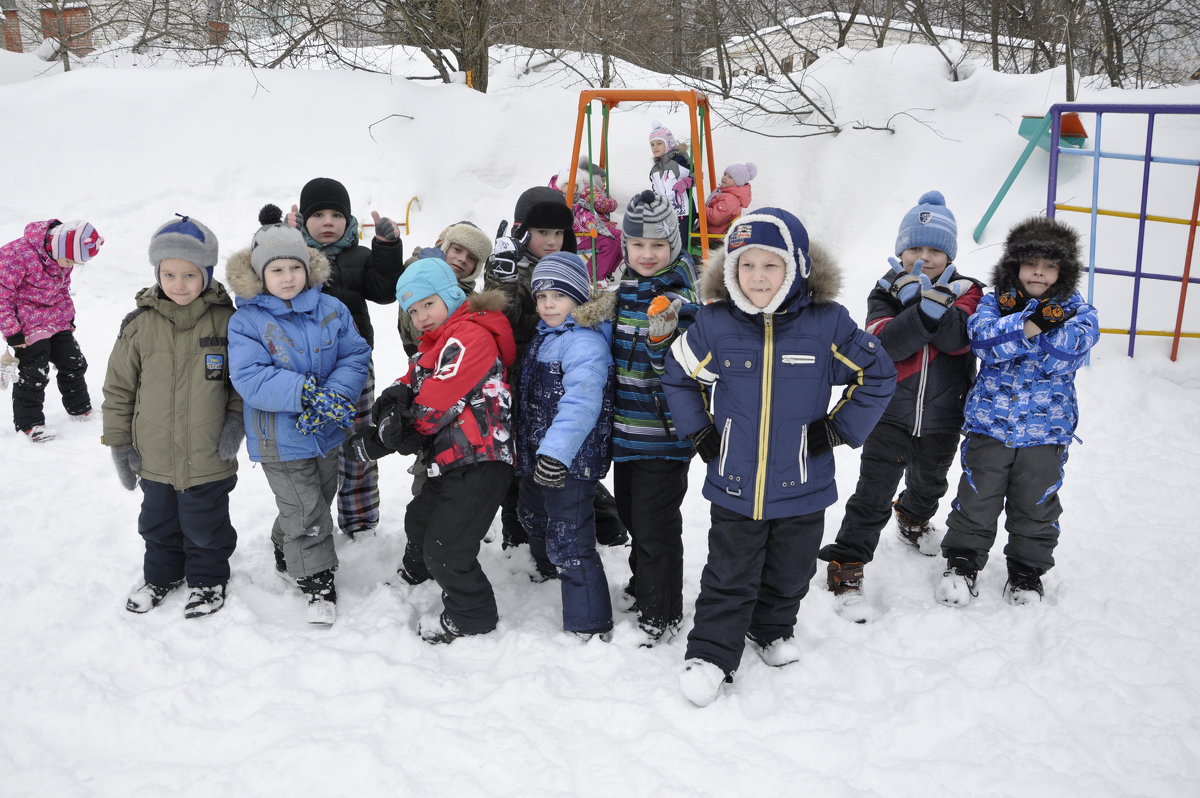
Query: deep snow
point(1093, 692)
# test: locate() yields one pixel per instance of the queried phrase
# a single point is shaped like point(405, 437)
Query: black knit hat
point(543, 207)
point(324, 193)
point(1039, 237)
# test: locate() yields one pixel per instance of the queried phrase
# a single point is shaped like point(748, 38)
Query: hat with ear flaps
point(779, 232)
point(1039, 237)
point(543, 207)
point(187, 239)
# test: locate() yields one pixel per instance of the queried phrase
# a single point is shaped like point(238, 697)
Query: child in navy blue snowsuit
point(563, 434)
point(750, 384)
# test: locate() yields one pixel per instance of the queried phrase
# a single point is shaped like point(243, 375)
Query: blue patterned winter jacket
point(1024, 394)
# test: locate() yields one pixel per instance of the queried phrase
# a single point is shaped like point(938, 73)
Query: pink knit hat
point(76, 241)
point(661, 133)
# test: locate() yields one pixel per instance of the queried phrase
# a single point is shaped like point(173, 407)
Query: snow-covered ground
point(1093, 692)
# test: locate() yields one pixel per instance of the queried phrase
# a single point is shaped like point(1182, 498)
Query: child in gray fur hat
point(173, 420)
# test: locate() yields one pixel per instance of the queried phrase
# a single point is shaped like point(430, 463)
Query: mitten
point(888, 280)
point(385, 229)
point(502, 263)
point(549, 473)
point(294, 219)
point(937, 296)
point(1049, 315)
point(663, 318)
point(683, 184)
point(398, 393)
point(364, 447)
point(822, 437)
point(128, 463)
point(230, 441)
point(1010, 301)
point(707, 443)
point(9, 372)
point(907, 286)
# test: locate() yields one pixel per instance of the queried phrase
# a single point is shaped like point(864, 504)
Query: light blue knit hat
point(426, 277)
point(929, 224)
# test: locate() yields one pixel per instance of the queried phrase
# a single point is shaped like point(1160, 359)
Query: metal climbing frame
point(1096, 153)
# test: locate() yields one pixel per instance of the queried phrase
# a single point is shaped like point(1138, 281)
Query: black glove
point(385, 229)
point(502, 263)
point(1011, 301)
point(822, 437)
point(128, 463)
point(549, 472)
point(1049, 315)
point(364, 447)
point(396, 432)
point(707, 443)
point(398, 393)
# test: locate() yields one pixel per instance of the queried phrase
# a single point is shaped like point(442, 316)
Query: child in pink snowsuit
point(593, 225)
point(731, 197)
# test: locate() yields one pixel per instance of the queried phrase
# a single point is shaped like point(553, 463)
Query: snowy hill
point(1093, 692)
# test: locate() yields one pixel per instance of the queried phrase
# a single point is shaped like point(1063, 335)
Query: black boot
point(321, 594)
point(1024, 584)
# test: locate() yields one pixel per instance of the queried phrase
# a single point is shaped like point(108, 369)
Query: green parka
point(167, 389)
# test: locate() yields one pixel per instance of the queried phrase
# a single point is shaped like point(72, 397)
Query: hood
point(246, 284)
point(823, 283)
point(184, 316)
point(485, 309)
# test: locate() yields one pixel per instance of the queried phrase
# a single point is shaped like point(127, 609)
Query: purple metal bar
point(1141, 241)
point(1146, 275)
point(1052, 179)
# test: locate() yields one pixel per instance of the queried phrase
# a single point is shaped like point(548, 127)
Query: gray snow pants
point(304, 491)
point(1023, 483)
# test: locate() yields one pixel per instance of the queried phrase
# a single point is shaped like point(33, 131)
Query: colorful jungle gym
point(701, 137)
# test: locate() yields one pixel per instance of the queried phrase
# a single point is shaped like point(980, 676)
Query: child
point(453, 406)
point(671, 173)
point(466, 248)
point(37, 319)
point(172, 418)
point(299, 363)
point(731, 197)
point(563, 431)
point(355, 276)
point(601, 242)
point(750, 383)
point(655, 301)
point(1031, 334)
point(919, 311)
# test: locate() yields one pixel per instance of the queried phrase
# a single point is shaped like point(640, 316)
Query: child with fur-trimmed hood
point(1031, 334)
point(750, 384)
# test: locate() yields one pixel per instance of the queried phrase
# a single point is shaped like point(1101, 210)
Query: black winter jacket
point(358, 274)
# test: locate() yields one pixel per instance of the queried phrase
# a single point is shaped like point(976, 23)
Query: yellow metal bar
point(1125, 214)
point(1164, 333)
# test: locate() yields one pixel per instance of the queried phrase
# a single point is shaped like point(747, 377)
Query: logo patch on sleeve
point(214, 367)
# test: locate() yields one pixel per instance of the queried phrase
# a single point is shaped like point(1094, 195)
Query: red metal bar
point(1187, 270)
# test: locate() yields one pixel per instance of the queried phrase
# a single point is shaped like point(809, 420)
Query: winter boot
point(701, 680)
point(40, 434)
point(280, 562)
point(149, 596)
point(438, 630)
point(845, 582)
point(1024, 584)
point(957, 587)
point(318, 589)
point(204, 601)
point(921, 535)
point(777, 653)
point(656, 635)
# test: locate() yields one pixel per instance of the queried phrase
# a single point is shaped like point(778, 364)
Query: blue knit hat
point(929, 224)
point(565, 272)
point(774, 230)
point(187, 239)
point(426, 277)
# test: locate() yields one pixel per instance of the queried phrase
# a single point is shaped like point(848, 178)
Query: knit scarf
point(348, 239)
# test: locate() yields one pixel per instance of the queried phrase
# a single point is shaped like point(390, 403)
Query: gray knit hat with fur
point(185, 238)
point(648, 215)
point(275, 241)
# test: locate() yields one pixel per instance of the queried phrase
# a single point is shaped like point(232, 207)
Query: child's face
point(285, 278)
point(935, 260)
point(554, 306)
point(1038, 276)
point(326, 226)
point(760, 274)
point(648, 256)
point(543, 241)
point(428, 313)
point(181, 280)
point(462, 260)
point(726, 180)
point(657, 148)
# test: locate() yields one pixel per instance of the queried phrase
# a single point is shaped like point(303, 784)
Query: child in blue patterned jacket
point(1031, 335)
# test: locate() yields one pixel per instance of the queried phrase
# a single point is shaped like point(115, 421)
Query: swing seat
point(1071, 134)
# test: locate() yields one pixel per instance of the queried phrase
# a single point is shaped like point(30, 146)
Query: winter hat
point(741, 173)
point(76, 241)
point(470, 238)
point(586, 173)
point(659, 132)
point(546, 208)
point(426, 277)
point(565, 272)
point(929, 224)
point(774, 230)
point(324, 193)
point(1039, 237)
point(185, 238)
point(650, 216)
point(275, 241)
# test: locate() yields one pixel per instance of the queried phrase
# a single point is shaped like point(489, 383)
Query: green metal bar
point(1012, 177)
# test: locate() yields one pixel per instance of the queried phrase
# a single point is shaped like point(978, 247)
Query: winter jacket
point(274, 345)
point(357, 274)
point(603, 262)
point(462, 399)
point(35, 292)
point(567, 384)
point(667, 170)
point(167, 391)
point(724, 205)
point(763, 379)
point(1025, 392)
point(642, 422)
point(934, 367)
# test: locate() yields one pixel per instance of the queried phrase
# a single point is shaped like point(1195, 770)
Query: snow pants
point(610, 531)
point(561, 524)
point(304, 491)
point(358, 491)
point(1023, 483)
point(33, 375)
point(188, 533)
point(757, 573)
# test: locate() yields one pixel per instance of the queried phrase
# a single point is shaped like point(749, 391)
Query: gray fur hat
point(1039, 237)
point(650, 216)
point(275, 241)
point(187, 239)
point(470, 238)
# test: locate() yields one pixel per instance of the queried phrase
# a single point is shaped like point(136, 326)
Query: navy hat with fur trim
point(774, 230)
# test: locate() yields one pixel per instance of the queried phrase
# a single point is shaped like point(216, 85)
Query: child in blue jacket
point(1031, 335)
point(563, 432)
point(299, 363)
point(750, 384)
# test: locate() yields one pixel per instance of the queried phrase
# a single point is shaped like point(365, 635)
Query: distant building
point(27, 24)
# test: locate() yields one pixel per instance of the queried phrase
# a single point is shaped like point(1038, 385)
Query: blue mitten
point(937, 296)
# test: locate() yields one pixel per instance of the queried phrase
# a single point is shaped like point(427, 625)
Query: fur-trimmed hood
point(824, 281)
point(1039, 237)
point(601, 307)
point(246, 284)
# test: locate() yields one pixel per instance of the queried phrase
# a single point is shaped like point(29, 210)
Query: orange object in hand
point(658, 305)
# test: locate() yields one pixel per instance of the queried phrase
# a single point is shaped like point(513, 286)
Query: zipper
point(724, 447)
point(804, 454)
point(919, 413)
point(764, 420)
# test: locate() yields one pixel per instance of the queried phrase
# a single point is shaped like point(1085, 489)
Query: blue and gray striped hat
point(929, 224)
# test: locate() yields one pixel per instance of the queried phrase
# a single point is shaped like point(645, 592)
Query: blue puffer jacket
point(273, 346)
point(1024, 394)
point(567, 383)
point(762, 378)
